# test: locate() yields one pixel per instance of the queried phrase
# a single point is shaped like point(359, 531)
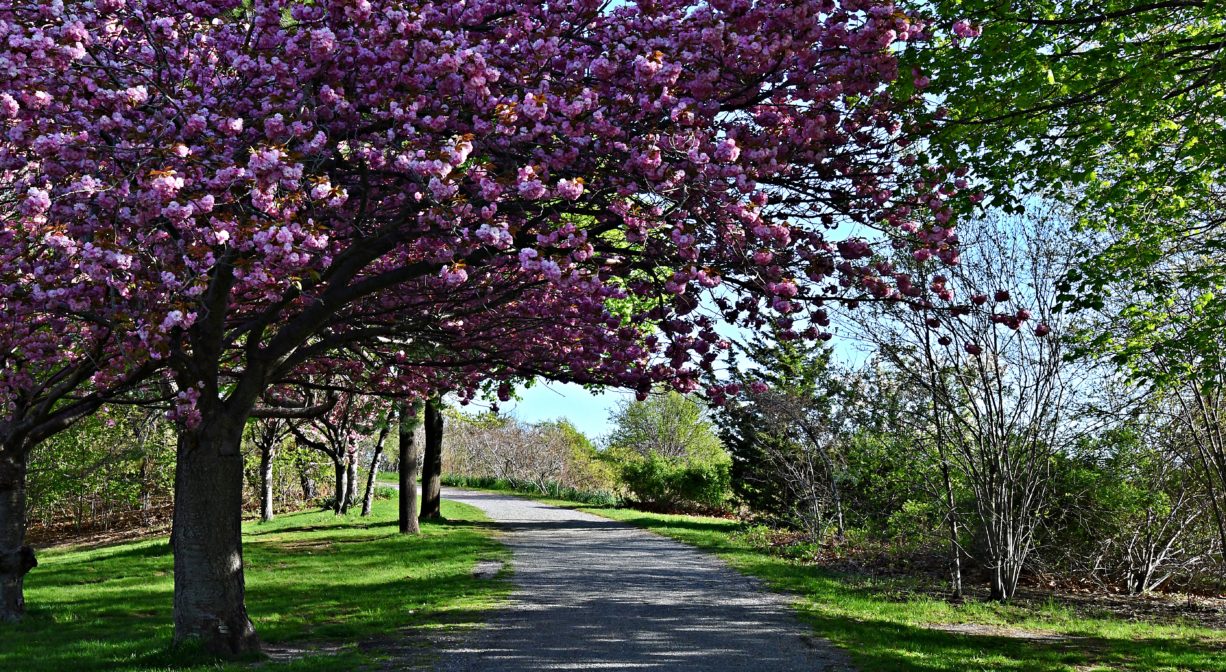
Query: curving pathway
point(595, 594)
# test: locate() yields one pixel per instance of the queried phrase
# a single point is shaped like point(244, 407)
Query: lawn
point(331, 593)
point(887, 627)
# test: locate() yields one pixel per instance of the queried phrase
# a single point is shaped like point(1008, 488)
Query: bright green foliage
point(678, 485)
point(666, 453)
point(587, 471)
point(312, 579)
point(671, 424)
point(116, 461)
point(1116, 106)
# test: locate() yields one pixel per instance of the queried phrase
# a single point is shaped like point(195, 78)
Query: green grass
point(387, 478)
point(548, 489)
point(886, 627)
point(313, 580)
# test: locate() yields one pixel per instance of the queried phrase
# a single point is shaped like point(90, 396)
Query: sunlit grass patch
point(327, 588)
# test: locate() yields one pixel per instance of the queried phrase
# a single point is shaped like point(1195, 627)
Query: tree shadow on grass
point(883, 645)
point(694, 524)
point(110, 610)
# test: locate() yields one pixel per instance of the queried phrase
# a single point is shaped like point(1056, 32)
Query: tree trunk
point(338, 497)
point(308, 484)
point(840, 528)
point(999, 592)
point(208, 543)
point(955, 549)
point(410, 415)
point(16, 559)
point(351, 482)
point(266, 457)
point(369, 497)
point(432, 468)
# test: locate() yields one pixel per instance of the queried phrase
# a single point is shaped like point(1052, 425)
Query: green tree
point(672, 425)
point(1116, 107)
point(772, 433)
point(667, 454)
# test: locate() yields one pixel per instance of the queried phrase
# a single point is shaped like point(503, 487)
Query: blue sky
point(588, 411)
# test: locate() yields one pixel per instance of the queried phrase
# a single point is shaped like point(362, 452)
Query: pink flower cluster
point(521, 196)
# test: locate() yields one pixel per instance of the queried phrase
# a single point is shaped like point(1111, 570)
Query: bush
point(678, 485)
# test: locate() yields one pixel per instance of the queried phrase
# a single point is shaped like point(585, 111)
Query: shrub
point(678, 485)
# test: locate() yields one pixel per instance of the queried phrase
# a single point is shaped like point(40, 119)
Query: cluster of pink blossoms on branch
point(489, 189)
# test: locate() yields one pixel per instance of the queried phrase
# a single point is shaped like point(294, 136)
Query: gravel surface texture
point(595, 594)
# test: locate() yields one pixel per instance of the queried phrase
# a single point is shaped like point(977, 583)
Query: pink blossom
point(8, 106)
point(37, 202)
point(965, 29)
point(453, 275)
point(323, 41)
point(529, 185)
point(727, 151)
point(570, 190)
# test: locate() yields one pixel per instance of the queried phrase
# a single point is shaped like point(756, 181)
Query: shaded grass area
point(886, 625)
point(331, 593)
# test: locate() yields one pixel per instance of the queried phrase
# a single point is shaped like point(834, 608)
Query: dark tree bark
point(308, 484)
point(351, 482)
point(432, 468)
point(410, 418)
point(369, 497)
point(208, 545)
point(16, 559)
point(342, 480)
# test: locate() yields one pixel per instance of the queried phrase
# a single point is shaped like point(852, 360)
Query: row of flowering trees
point(214, 205)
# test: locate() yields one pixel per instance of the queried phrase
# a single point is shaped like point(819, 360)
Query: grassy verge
point(336, 592)
point(886, 627)
point(547, 490)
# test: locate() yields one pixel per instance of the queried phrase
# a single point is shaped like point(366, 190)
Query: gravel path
point(594, 594)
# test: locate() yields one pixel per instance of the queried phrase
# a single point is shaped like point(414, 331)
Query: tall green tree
point(1115, 106)
point(766, 432)
point(672, 425)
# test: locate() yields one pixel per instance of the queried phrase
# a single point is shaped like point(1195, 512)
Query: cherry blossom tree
point(447, 194)
point(338, 433)
point(58, 364)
